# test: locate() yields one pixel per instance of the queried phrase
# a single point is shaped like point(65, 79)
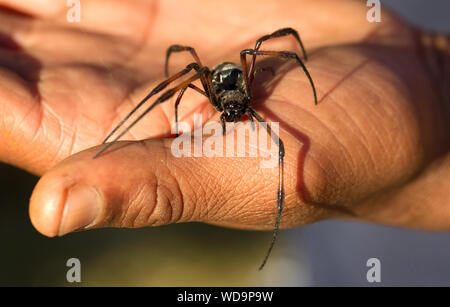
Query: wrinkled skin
point(376, 148)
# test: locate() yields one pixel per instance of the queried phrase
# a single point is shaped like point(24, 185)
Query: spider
point(228, 88)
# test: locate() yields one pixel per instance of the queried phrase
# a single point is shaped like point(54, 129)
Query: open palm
point(379, 122)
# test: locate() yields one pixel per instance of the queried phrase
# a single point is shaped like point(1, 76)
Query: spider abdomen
point(227, 77)
point(229, 88)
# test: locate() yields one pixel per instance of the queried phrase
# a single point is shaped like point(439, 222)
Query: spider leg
point(164, 97)
point(252, 121)
point(156, 90)
point(222, 121)
point(280, 193)
point(283, 54)
point(177, 102)
point(279, 33)
point(179, 48)
point(206, 81)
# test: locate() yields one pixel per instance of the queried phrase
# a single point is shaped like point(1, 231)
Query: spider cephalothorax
point(228, 88)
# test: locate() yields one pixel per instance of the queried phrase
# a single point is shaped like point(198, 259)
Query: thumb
point(137, 184)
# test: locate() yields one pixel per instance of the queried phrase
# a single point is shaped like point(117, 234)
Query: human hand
point(375, 148)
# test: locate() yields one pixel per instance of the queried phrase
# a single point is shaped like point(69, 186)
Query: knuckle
point(167, 199)
point(153, 203)
point(163, 208)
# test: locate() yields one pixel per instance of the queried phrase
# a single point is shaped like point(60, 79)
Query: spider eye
point(232, 106)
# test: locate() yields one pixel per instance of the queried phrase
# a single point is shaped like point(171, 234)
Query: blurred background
point(323, 254)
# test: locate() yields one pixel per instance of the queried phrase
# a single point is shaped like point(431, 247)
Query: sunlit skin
point(375, 148)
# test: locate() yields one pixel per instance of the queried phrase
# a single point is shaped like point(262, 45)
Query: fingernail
point(81, 208)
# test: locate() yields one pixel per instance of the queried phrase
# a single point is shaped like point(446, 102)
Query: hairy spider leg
point(156, 90)
point(177, 102)
point(164, 97)
point(282, 54)
point(280, 193)
point(278, 33)
point(205, 80)
point(252, 113)
point(179, 48)
point(222, 121)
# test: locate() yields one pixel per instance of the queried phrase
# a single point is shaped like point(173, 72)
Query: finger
point(113, 17)
point(425, 194)
point(35, 7)
point(136, 184)
point(23, 36)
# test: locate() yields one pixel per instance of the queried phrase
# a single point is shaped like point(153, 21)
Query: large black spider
point(227, 86)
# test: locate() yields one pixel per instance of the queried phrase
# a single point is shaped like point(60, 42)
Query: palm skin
point(377, 136)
